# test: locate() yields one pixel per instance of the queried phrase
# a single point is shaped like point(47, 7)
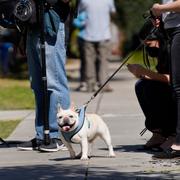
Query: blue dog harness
point(68, 135)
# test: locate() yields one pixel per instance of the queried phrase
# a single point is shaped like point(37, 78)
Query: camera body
point(16, 12)
point(24, 10)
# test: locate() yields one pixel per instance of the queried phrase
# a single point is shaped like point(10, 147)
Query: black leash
point(123, 63)
point(125, 60)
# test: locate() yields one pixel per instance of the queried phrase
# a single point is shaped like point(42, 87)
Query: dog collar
point(68, 135)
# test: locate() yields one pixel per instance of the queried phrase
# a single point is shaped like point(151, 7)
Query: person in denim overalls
point(57, 84)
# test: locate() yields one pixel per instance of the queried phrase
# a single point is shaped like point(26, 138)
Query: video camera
point(13, 12)
point(148, 27)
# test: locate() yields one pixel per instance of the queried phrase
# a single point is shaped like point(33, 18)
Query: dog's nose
point(66, 119)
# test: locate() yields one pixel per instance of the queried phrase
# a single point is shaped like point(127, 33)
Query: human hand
point(156, 9)
point(137, 70)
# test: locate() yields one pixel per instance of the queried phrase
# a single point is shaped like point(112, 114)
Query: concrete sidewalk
point(121, 112)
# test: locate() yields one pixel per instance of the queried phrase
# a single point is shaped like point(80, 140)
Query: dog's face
point(67, 119)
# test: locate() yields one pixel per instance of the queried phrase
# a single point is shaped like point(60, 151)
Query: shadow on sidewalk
point(10, 144)
point(77, 172)
point(131, 148)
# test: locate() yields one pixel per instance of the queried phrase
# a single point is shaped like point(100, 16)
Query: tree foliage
point(130, 14)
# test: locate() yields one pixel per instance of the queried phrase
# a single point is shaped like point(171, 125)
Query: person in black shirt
point(154, 94)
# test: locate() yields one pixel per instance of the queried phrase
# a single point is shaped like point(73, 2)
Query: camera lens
point(23, 10)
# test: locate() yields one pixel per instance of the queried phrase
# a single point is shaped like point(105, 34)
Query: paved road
point(121, 112)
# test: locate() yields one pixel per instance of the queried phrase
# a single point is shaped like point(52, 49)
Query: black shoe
point(54, 146)
point(150, 148)
point(167, 154)
point(30, 145)
point(82, 87)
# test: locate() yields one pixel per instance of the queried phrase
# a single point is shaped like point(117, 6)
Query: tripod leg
point(44, 76)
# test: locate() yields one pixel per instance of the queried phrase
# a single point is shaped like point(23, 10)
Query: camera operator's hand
point(157, 9)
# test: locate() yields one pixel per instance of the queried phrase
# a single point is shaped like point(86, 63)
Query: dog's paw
point(111, 155)
point(84, 158)
point(79, 155)
point(73, 156)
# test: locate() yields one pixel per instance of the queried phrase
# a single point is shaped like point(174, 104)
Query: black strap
point(143, 131)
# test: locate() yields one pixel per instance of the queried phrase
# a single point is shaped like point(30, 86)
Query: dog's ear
point(73, 108)
point(58, 107)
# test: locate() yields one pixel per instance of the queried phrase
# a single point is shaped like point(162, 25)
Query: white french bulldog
point(82, 130)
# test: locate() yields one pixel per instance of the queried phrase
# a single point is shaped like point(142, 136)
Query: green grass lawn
point(15, 94)
point(137, 58)
point(7, 127)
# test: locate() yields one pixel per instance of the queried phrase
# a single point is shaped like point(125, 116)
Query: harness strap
point(68, 135)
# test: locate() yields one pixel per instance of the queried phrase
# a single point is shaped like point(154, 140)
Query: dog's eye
point(60, 117)
point(71, 116)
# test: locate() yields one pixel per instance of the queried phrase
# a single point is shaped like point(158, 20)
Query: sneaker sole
point(27, 149)
point(63, 149)
point(48, 150)
point(59, 148)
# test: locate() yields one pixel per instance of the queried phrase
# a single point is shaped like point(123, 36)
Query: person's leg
point(82, 67)
point(83, 85)
point(148, 98)
point(146, 95)
point(156, 101)
point(56, 78)
point(90, 59)
point(103, 54)
point(57, 86)
point(34, 67)
point(175, 64)
point(174, 151)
